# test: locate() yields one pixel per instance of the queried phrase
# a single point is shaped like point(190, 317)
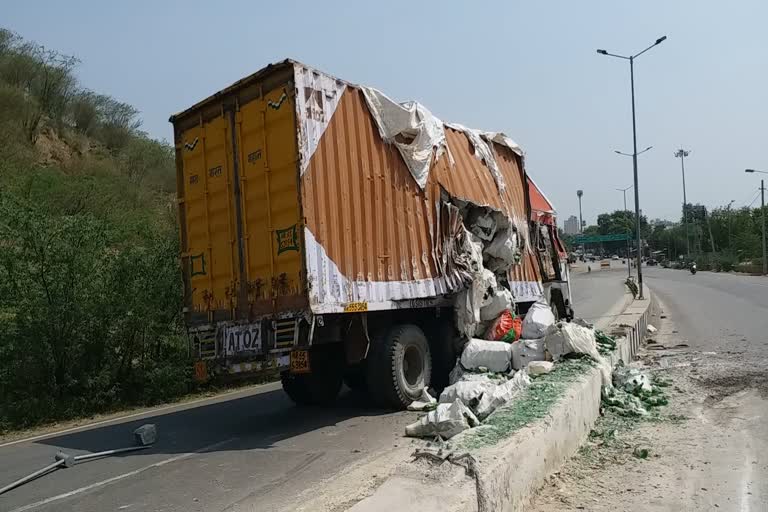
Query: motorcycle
point(693, 269)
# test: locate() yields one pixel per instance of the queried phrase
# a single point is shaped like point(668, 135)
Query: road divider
point(502, 472)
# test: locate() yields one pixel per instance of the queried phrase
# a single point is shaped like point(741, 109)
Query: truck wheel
point(399, 366)
point(322, 385)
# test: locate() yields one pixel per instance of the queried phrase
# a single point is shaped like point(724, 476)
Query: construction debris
point(536, 368)
point(425, 403)
point(445, 421)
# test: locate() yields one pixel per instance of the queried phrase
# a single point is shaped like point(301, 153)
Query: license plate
point(300, 361)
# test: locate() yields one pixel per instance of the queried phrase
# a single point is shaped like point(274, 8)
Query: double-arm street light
point(762, 209)
point(631, 60)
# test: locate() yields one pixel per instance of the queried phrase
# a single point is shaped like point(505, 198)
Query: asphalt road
point(723, 318)
point(250, 450)
point(716, 311)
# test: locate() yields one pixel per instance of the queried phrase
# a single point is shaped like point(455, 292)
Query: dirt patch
point(703, 451)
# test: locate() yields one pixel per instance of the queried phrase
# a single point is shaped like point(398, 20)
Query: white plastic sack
point(632, 380)
point(446, 421)
point(469, 302)
point(467, 391)
point(505, 246)
point(415, 123)
point(497, 396)
point(537, 321)
point(494, 355)
point(526, 351)
point(539, 367)
point(424, 402)
point(580, 339)
point(500, 301)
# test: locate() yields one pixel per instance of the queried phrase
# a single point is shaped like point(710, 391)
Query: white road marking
point(121, 477)
point(149, 413)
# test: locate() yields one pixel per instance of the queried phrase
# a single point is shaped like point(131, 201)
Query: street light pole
point(730, 243)
point(580, 193)
point(681, 154)
point(624, 191)
point(762, 209)
point(631, 60)
point(629, 265)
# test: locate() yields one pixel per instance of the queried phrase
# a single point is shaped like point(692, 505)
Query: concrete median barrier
point(486, 472)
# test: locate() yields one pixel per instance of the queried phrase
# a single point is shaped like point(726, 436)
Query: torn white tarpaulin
point(504, 140)
point(317, 96)
point(446, 421)
point(483, 152)
point(469, 302)
point(411, 128)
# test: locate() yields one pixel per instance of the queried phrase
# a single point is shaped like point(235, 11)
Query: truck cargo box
point(295, 201)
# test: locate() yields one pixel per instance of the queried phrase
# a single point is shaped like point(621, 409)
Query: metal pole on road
point(762, 209)
point(631, 60)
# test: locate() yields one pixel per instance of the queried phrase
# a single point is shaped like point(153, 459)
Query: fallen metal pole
point(32, 476)
point(144, 436)
point(88, 456)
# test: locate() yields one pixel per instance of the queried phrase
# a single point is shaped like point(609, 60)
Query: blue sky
point(526, 68)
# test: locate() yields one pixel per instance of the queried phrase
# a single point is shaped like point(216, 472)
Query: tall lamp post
point(624, 191)
point(580, 193)
point(762, 209)
point(730, 243)
point(681, 154)
point(631, 60)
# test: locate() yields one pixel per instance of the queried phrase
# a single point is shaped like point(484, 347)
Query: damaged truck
point(333, 235)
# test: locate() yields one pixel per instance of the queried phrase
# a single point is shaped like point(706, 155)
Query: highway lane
point(246, 449)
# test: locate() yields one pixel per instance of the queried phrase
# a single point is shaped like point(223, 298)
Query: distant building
point(571, 226)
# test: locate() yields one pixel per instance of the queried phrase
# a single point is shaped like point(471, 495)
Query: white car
point(615, 257)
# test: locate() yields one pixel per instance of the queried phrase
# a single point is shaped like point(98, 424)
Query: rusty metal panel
point(370, 231)
point(368, 226)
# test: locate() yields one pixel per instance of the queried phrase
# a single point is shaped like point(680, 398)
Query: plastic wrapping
point(445, 421)
point(525, 351)
point(408, 121)
point(537, 320)
point(496, 356)
point(497, 396)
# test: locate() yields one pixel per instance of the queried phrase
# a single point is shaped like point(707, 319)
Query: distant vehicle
point(652, 262)
point(615, 257)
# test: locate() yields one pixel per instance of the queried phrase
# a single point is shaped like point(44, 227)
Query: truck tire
point(399, 366)
point(322, 385)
